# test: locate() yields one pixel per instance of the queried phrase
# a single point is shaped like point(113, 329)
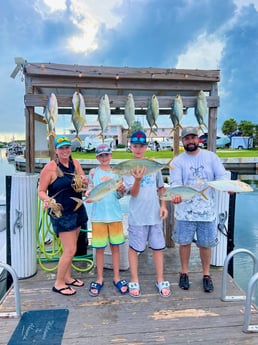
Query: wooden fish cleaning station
point(192, 316)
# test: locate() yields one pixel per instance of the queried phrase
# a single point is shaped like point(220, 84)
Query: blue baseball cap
point(103, 148)
point(138, 138)
point(62, 140)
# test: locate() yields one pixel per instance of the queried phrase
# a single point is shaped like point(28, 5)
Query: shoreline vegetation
point(122, 154)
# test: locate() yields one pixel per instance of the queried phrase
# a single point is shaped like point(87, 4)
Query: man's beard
point(191, 147)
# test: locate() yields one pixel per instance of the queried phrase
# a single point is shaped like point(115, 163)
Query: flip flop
point(76, 283)
point(120, 284)
point(134, 286)
point(163, 285)
point(63, 289)
point(95, 286)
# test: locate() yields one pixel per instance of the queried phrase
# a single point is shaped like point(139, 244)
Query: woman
point(60, 181)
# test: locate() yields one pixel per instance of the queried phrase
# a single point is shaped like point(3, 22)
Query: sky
point(203, 34)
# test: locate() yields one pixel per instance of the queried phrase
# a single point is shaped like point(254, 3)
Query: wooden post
point(169, 225)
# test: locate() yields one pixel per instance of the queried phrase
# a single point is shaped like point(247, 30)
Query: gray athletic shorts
point(206, 233)
point(140, 235)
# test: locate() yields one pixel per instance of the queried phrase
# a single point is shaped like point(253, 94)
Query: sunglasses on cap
point(141, 140)
point(60, 140)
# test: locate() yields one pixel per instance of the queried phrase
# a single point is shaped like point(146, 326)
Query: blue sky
point(203, 34)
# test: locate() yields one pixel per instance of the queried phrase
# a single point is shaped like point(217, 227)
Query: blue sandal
point(95, 286)
point(163, 285)
point(120, 284)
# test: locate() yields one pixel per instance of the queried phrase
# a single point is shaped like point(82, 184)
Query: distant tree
point(247, 128)
point(229, 126)
point(136, 126)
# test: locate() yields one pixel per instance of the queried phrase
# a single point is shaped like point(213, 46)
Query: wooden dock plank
point(186, 317)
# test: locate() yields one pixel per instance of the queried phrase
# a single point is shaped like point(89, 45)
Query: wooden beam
point(37, 100)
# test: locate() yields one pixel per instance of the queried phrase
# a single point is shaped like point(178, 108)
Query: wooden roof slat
point(123, 72)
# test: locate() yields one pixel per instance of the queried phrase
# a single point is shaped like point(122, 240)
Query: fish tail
point(153, 132)
point(51, 134)
point(79, 203)
point(169, 164)
point(77, 138)
point(202, 193)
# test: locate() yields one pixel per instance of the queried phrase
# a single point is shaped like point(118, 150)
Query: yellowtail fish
point(236, 186)
point(176, 113)
point(103, 189)
point(78, 114)
point(153, 113)
point(104, 114)
point(51, 114)
point(186, 192)
point(201, 109)
point(124, 168)
point(129, 110)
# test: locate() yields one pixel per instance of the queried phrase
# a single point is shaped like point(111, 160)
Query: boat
point(14, 149)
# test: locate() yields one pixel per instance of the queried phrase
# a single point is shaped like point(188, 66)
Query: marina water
point(245, 235)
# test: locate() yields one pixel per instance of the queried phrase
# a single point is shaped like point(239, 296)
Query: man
point(195, 216)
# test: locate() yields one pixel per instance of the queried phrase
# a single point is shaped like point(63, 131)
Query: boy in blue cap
point(146, 214)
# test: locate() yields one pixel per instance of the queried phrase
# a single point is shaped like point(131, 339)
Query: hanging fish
point(153, 113)
point(201, 109)
point(129, 113)
point(51, 114)
point(78, 114)
point(104, 114)
point(176, 113)
point(124, 168)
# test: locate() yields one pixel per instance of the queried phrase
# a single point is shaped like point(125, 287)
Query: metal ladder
point(16, 292)
point(250, 290)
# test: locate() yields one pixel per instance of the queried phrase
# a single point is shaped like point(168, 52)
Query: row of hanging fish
point(104, 113)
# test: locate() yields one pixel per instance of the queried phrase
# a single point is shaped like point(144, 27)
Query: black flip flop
point(73, 283)
point(65, 288)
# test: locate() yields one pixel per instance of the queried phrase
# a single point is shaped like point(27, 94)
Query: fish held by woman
point(125, 168)
point(78, 114)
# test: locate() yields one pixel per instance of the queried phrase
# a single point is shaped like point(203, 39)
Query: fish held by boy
point(186, 192)
point(125, 168)
point(78, 114)
point(103, 189)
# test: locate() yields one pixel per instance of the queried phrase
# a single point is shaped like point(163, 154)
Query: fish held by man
point(78, 114)
point(153, 113)
point(186, 192)
point(104, 114)
point(51, 115)
point(201, 109)
point(129, 112)
point(176, 113)
point(235, 186)
point(125, 168)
